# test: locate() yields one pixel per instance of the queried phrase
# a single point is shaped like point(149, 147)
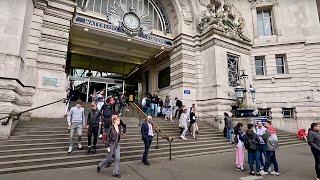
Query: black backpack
point(250, 143)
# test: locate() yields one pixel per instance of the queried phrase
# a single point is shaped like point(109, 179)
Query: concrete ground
point(296, 163)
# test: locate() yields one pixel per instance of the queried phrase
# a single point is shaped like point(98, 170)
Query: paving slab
point(296, 163)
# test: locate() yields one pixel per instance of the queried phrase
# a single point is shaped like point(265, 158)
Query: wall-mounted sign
point(187, 92)
point(107, 26)
point(50, 81)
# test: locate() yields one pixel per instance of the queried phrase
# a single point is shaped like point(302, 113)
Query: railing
point(157, 129)
point(16, 116)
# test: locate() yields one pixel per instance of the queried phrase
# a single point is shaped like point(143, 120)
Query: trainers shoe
point(184, 138)
point(275, 173)
point(89, 149)
point(100, 136)
point(252, 173)
point(258, 174)
point(79, 145)
point(263, 173)
point(70, 150)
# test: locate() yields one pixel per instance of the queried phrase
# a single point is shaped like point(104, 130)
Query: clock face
point(131, 21)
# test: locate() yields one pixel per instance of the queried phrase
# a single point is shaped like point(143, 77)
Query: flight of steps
point(42, 144)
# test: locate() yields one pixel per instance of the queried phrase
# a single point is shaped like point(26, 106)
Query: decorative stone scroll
point(223, 19)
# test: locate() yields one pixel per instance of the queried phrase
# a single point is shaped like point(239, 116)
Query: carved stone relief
point(224, 19)
point(186, 12)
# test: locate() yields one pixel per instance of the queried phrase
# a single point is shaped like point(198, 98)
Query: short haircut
point(239, 124)
point(226, 114)
point(269, 122)
point(250, 126)
point(79, 101)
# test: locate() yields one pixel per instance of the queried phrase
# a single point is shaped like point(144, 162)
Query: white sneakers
point(79, 145)
point(272, 173)
point(184, 138)
point(100, 136)
point(70, 150)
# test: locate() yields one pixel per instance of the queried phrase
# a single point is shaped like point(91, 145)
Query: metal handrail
point(17, 115)
point(157, 129)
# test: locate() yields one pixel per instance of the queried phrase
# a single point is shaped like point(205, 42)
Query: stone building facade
point(275, 42)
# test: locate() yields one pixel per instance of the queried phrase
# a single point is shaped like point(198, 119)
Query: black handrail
point(17, 115)
point(157, 129)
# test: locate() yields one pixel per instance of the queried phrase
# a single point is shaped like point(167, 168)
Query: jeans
point(262, 148)
point(93, 130)
point(154, 109)
point(253, 158)
point(115, 150)
point(78, 128)
point(316, 155)
point(147, 143)
point(146, 110)
point(271, 159)
point(229, 134)
point(184, 132)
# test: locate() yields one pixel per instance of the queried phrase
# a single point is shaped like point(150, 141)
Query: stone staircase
point(42, 144)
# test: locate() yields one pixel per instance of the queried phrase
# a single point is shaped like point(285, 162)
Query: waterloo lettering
point(109, 27)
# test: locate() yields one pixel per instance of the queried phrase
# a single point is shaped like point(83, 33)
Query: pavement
point(295, 162)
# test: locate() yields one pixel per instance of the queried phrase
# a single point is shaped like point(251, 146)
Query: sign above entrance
point(106, 26)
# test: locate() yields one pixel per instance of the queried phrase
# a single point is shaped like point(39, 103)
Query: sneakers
point(275, 173)
point(70, 150)
point(184, 138)
point(258, 174)
point(252, 173)
point(100, 136)
point(79, 145)
point(263, 173)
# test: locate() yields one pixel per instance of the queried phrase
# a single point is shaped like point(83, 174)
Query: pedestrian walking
point(154, 104)
point(167, 108)
point(251, 140)
point(106, 110)
point(93, 121)
point(272, 142)
point(262, 147)
point(113, 149)
point(179, 108)
point(147, 136)
point(183, 123)
point(229, 126)
point(100, 99)
point(193, 127)
point(314, 143)
point(239, 141)
point(77, 122)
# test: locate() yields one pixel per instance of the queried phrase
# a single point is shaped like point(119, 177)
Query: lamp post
point(240, 91)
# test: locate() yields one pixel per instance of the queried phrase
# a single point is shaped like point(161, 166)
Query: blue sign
point(187, 92)
point(109, 27)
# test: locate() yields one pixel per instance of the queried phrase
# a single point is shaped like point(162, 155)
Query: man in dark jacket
point(314, 143)
point(106, 110)
point(93, 120)
point(179, 110)
point(147, 136)
point(250, 142)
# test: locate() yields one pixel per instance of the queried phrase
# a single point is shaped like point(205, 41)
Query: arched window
point(150, 10)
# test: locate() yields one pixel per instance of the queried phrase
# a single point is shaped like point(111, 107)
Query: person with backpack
point(272, 142)
point(251, 140)
point(106, 114)
point(93, 121)
point(314, 143)
point(167, 109)
point(239, 142)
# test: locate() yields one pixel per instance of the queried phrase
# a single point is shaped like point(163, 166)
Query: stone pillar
point(52, 21)
point(183, 63)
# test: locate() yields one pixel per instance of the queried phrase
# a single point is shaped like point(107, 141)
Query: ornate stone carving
point(224, 19)
point(186, 12)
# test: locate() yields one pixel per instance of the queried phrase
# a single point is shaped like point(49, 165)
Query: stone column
point(52, 21)
point(183, 70)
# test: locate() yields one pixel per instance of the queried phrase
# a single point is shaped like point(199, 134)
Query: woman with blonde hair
point(113, 146)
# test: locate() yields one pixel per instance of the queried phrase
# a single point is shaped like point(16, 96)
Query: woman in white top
point(183, 123)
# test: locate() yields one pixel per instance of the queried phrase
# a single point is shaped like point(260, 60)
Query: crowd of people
point(260, 140)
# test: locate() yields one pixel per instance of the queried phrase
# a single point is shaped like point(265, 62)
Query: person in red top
point(302, 135)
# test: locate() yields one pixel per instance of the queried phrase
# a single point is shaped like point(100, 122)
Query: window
point(288, 112)
point(164, 78)
point(260, 65)
point(264, 22)
point(281, 64)
point(265, 112)
point(233, 69)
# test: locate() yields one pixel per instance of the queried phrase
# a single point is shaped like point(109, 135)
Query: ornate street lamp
point(239, 90)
